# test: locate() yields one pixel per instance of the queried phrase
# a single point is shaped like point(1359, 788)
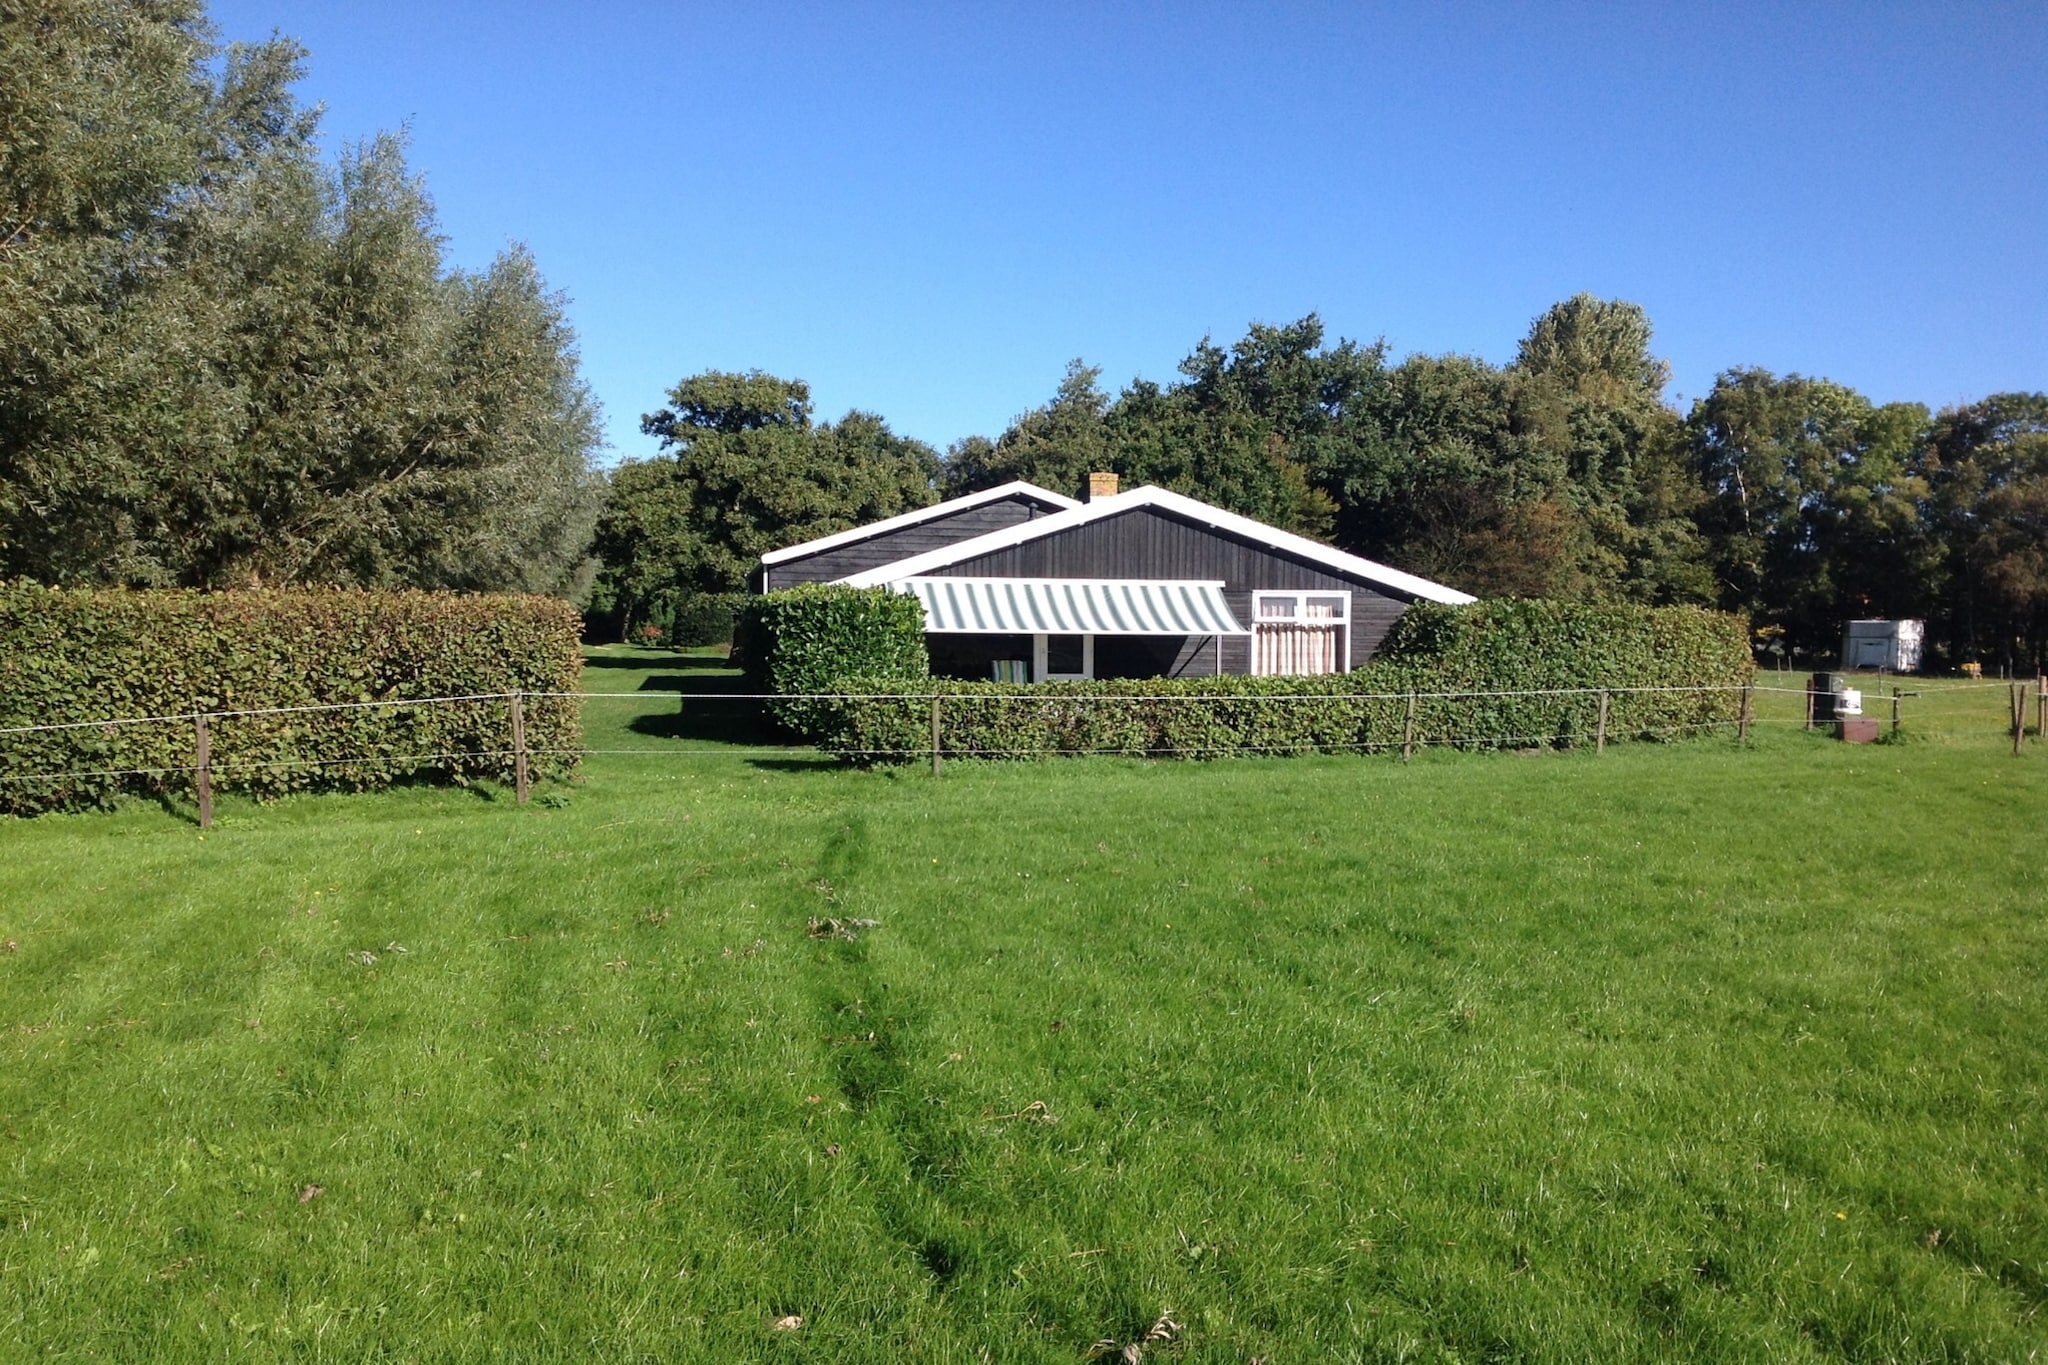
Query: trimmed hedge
point(815, 638)
point(91, 655)
point(1454, 659)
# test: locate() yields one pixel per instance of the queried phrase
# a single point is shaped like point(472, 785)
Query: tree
point(1055, 446)
point(1811, 502)
point(743, 471)
point(222, 363)
point(1597, 349)
point(1986, 470)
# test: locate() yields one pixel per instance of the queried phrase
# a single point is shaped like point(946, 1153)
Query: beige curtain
point(1299, 646)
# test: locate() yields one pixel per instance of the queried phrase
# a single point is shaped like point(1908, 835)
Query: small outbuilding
point(1020, 583)
point(1887, 646)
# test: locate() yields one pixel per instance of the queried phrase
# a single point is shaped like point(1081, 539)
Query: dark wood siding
point(931, 534)
point(1148, 543)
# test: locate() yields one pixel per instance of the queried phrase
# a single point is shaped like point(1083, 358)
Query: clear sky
point(927, 210)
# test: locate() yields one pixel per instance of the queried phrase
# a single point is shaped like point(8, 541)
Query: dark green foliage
point(89, 655)
point(743, 471)
point(815, 638)
point(1460, 661)
point(1812, 502)
point(227, 361)
point(1523, 645)
point(1986, 471)
point(710, 618)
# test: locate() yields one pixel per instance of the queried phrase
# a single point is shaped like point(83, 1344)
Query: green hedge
point(68, 656)
point(815, 638)
point(1455, 660)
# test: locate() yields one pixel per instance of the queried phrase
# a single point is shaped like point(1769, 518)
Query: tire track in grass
point(873, 1031)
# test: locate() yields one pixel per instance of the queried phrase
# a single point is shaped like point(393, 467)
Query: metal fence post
point(2019, 717)
point(935, 734)
point(202, 770)
point(520, 777)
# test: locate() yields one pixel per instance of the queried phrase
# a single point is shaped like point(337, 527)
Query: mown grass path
point(1681, 1052)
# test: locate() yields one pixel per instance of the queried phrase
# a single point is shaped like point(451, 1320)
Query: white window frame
point(1300, 599)
point(1040, 648)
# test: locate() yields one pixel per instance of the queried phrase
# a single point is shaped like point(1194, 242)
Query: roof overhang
point(1176, 504)
point(1071, 606)
point(1014, 489)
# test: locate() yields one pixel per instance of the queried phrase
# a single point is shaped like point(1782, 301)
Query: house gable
point(1224, 526)
point(830, 558)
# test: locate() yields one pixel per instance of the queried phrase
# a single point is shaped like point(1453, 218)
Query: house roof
point(1176, 504)
point(1017, 488)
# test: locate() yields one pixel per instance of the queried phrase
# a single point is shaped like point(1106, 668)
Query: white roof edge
point(901, 583)
point(902, 519)
point(1192, 508)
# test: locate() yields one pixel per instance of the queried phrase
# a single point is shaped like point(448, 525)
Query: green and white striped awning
point(1072, 606)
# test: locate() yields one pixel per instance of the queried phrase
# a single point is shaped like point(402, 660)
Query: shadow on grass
point(716, 718)
point(807, 763)
point(656, 659)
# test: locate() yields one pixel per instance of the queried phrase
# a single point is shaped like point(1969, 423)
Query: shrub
point(1550, 660)
point(815, 638)
point(86, 656)
point(705, 619)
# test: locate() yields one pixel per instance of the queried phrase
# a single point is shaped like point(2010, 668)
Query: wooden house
point(1021, 583)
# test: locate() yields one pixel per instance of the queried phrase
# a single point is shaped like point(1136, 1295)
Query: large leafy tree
point(1588, 388)
point(1986, 470)
point(1055, 446)
point(744, 470)
point(223, 362)
point(1812, 502)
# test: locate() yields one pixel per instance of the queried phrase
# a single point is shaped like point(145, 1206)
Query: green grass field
point(1680, 1052)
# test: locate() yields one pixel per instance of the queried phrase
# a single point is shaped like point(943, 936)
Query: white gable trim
point(937, 509)
point(1191, 509)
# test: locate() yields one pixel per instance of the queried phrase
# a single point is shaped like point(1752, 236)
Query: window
point(1062, 658)
point(1301, 633)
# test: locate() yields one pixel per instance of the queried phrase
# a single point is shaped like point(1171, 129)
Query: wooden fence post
point(1747, 712)
point(202, 770)
point(935, 734)
point(520, 777)
point(2041, 707)
point(1408, 731)
point(1600, 735)
point(1810, 699)
point(1895, 710)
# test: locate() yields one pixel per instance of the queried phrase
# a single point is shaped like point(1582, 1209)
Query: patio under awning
point(1072, 606)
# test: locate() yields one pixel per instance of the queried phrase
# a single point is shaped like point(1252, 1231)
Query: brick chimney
point(1101, 485)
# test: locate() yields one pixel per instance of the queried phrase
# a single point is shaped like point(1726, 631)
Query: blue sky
point(927, 210)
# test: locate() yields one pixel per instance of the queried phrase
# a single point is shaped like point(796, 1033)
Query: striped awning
point(1072, 606)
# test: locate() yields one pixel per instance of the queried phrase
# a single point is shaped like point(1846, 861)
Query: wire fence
point(1959, 709)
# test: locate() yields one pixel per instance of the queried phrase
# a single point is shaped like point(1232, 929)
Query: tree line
point(226, 362)
point(1564, 473)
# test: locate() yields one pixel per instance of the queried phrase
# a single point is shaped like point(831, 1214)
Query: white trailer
point(1888, 646)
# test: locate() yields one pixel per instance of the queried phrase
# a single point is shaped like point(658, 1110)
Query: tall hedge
point(1510, 674)
point(809, 640)
point(95, 655)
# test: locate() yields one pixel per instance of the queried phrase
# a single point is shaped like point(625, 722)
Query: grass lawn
point(1685, 1052)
